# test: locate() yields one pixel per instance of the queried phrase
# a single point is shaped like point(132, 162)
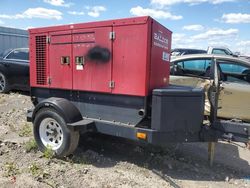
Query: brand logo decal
point(160, 40)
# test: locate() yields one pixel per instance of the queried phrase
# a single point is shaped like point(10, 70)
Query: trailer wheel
point(51, 132)
point(4, 85)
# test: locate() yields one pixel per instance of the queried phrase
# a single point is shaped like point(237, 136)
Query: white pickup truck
point(225, 51)
point(221, 50)
point(210, 50)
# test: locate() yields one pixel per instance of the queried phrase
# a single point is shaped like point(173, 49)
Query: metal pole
point(211, 151)
point(214, 96)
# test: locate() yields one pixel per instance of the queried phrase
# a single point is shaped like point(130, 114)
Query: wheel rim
point(2, 82)
point(51, 133)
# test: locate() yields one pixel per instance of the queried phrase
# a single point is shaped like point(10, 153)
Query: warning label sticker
point(165, 56)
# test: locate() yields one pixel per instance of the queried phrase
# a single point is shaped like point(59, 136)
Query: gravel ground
point(102, 161)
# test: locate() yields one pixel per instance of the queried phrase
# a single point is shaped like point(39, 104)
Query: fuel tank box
point(178, 111)
point(125, 56)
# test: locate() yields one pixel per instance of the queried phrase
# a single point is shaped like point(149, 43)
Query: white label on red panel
point(79, 67)
point(165, 56)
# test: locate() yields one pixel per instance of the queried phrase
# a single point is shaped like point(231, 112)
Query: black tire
point(4, 85)
point(69, 140)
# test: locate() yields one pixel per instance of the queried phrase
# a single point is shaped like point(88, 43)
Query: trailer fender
point(64, 107)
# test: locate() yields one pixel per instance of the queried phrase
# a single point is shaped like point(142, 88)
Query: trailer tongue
point(112, 77)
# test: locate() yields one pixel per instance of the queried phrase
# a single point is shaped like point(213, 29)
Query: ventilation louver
point(41, 76)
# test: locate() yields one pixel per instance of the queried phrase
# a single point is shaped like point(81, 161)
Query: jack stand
point(211, 150)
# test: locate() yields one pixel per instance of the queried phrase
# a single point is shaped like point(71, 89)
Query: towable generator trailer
point(112, 77)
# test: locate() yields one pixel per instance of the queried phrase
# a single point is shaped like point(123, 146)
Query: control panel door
point(60, 60)
point(92, 59)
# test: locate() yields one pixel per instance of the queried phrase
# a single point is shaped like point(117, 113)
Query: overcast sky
point(195, 23)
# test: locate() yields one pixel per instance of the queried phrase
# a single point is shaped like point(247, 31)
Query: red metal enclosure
point(138, 52)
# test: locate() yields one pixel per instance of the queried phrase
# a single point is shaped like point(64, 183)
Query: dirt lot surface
point(102, 161)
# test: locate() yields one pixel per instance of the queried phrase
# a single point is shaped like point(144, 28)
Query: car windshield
point(222, 51)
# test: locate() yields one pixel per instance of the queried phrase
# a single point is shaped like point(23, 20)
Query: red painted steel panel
point(130, 59)
point(59, 47)
point(108, 23)
point(32, 57)
point(93, 75)
point(83, 36)
point(160, 56)
point(60, 37)
point(139, 56)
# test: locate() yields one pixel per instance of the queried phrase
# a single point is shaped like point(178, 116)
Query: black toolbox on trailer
point(178, 112)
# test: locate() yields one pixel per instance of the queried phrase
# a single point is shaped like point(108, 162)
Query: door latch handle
point(65, 60)
point(79, 60)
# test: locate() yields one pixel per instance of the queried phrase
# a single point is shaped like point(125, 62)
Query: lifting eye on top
point(65, 60)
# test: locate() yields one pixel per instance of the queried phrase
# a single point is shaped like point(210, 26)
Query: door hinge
point(48, 39)
point(49, 80)
point(112, 84)
point(112, 35)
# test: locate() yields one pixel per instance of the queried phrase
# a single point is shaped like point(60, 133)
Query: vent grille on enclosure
point(41, 60)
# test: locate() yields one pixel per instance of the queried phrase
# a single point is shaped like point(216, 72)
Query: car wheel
point(4, 85)
point(51, 132)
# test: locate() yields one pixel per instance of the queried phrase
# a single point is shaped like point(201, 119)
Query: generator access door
point(60, 60)
point(92, 56)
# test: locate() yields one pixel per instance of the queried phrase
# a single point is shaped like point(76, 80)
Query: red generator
point(110, 77)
